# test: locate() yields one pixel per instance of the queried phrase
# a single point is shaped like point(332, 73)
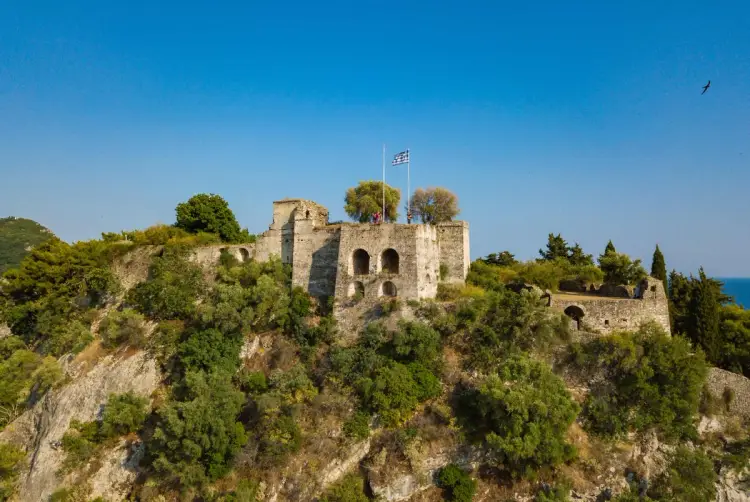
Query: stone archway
point(360, 262)
point(389, 261)
point(576, 313)
point(244, 254)
point(388, 289)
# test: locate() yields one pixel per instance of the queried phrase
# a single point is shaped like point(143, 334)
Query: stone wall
point(453, 243)
point(428, 261)
point(316, 256)
point(718, 380)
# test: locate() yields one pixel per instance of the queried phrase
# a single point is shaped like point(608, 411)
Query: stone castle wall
point(605, 314)
point(718, 380)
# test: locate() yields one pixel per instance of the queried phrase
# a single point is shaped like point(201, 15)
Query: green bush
point(209, 213)
point(80, 443)
point(358, 426)
point(522, 414)
point(557, 493)
point(351, 488)
point(123, 414)
point(208, 350)
point(11, 459)
point(252, 382)
point(24, 377)
point(123, 327)
point(457, 485)
point(173, 287)
point(197, 436)
point(649, 380)
point(690, 477)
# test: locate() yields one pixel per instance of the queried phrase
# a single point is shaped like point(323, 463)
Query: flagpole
point(383, 215)
point(408, 186)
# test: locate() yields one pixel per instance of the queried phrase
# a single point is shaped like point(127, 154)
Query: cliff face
point(39, 428)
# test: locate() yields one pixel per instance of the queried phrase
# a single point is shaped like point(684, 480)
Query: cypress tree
point(658, 267)
point(556, 248)
point(610, 247)
point(704, 316)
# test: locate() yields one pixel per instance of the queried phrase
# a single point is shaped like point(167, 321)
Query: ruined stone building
point(347, 259)
point(609, 307)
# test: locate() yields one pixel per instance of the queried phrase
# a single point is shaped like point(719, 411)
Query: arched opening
point(245, 254)
point(361, 262)
point(356, 288)
point(307, 214)
point(388, 289)
point(575, 313)
point(389, 261)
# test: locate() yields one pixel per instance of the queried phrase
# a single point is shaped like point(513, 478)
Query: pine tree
point(658, 267)
point(556, 248)
point(679, 302)
point(610, 247)
point(578, 258)
point(704, 316)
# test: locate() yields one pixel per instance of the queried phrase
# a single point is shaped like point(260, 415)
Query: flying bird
point(705, 87)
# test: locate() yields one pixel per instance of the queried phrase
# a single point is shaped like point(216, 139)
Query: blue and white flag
point(401, 158)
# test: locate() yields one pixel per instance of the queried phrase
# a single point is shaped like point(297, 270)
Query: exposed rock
point(39, 429)
point(340, 466)
point(119, 468)
point(4, 331)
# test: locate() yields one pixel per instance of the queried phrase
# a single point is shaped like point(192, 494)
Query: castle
point(344, 260)
point(368, 260)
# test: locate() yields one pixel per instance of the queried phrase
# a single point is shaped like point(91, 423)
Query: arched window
point(575, 313)
point(389, 261)
point(361, 262)
point(245, 254)
point(356, 288)
point(388, 289)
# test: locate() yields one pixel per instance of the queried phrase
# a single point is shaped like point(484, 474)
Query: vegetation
point(649, 380)
point(457, 485)
point(11, 458)
point(17, 235)
point(659, 267)
point(350, 489)
point(210, 213)
point(366, 199)
point(618, 268)
point(522, 414)
point(434, 205)
point(558, 249)
point(122, 327)
point(690, 477)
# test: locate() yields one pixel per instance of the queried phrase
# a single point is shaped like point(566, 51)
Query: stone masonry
point(348, 259)
point(604, 313)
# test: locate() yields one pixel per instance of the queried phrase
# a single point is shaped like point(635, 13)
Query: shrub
point(280, 437)
point(650, 380)
point(124, 413)
point(11, 459)
point(197, 437)
point(358, 426)
point(252, 382)
point(209, 349)
point(122, 327)
point(557, 493)
point(690, 477)
point(522, 414)
point(443, 271)
point(208, 213)
point(457, 485)
point(79, 443)
point(351, 488)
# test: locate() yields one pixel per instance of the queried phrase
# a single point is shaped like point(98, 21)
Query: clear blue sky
point(583, 118)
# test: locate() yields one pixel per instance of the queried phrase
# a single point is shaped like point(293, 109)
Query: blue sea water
point(739, 288)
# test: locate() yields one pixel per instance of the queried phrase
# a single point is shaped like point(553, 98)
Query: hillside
point(17, 236)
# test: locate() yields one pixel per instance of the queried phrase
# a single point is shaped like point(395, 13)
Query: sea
point(739, 288)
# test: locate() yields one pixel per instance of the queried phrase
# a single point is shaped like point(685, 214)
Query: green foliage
point(208, 213)
point(558, 249)
point(247, 491)
point(434, 205)
point(610, 248)
point(690, 477)
point(556, 493)
point(124, 413)
point(502, 259)
point(172, 289)
point(704, 318)
point(160, 235)
point(522, 414)
point(443, 271)
point(24, 377)
point(649, 380)
point(618, 268)
point(252, 382)
point(209, 349)
point(56, 285)
point(366, 199)
point(391, 372)
point(358, 426)
point(78, 493)
point(11, 460)
point(9, 345)
point(198, 435)
point(546, 274)
point(123, 327)
point(16, 236)
point(735, 339)
point(457, 485)
point(351, 488)
point(659, 267)
point(80, 443)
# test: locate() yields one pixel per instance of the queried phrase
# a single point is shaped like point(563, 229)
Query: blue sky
point(583, 118)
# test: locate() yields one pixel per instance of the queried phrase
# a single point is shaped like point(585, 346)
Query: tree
point(578, 258)
point(17, 236)
point(366, 199)
point(679, 301)
point(556, 248)
point(619, 269)
point(208, 213)
point(502, 259)
point(434, 205)
point(610, 247)
point(703, 316)
point(658, 267)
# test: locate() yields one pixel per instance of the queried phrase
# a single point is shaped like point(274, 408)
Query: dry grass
point(585, 297)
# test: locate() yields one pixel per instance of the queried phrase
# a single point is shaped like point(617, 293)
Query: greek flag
point(401, 158)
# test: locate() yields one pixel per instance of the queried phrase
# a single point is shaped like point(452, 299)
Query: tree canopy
point(366, 199)
point(17, 236)
point(659, 267)
point(434, 205)
point(618, 268)
point(558, 249)
point(209, 213)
